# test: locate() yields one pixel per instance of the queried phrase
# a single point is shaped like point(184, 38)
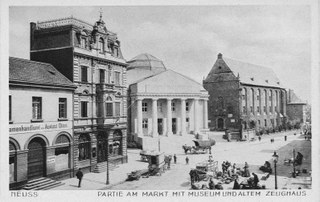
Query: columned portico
point(183, 116)
point(205, 113)
point(169, 117)
point(139, 117)
point(196, 111)
point(154, 118)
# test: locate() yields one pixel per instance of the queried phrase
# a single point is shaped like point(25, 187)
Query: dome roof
point(147, 62)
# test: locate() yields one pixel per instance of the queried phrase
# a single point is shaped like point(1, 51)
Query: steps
point(42, 183)
point(103, 166)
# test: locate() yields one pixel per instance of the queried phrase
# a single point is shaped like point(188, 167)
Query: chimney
point(219, 56)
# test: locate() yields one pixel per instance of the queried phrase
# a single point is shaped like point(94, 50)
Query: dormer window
point(101, 45)
point(83, 42)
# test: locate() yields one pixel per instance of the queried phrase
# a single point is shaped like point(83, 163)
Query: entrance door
point(220, 123)
point(160, 126)
point(36, 158)
point(174, 126)
point(102, 148)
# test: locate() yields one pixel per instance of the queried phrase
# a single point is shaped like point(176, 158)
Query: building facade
point(296, 109)
point(41, 122)
point(163, 102)
point(244, 96)
point(90, 56)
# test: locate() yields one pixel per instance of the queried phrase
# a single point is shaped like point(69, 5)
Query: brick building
point(90, 56)
point(40, 122)
point(244, 95)
point(163, 102)
point(296, 108)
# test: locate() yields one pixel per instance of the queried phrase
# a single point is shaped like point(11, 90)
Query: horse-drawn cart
point(201, 147)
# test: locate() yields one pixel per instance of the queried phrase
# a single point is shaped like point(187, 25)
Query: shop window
point(36, 108)
point(115, 146)
point(84, 74)
point(117, 109)
point(84, 109)
point(117, 78)
point(84, 147)
point(145, 123)
point(61, 153)
point(63, 108)
point(144, 107)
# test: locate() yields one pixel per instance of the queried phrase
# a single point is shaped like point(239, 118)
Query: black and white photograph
point(174, 101)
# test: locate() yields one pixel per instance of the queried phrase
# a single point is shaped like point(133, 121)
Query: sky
point(188, 38)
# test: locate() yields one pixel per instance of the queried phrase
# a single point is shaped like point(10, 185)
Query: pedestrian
point(271, 140)
point(187, 160)
point(255, 180)
point(285, 138)
point(175, 158)
point(211, 184)
point(79, 175)
point(259, 138)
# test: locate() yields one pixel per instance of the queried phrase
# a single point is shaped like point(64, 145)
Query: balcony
point(105, 88)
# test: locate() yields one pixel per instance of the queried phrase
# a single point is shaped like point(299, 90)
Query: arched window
point(265, 101)
point(258, 100)
point(101, 45)
point(84, 147)
point(252, 101)
point(276, 103)
point(244, 100)
point(115, 146)
point(62, 153)
point(271, 101)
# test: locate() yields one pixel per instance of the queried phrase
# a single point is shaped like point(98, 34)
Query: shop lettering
point(36, 127)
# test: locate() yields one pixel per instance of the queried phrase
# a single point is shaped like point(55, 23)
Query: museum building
point(40, 122)
point(90, 56)
point(162, 102)
point(244, 96)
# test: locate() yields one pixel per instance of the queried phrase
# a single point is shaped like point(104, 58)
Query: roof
point(142, 66)
point(248, 73)
point(32, 72)
point(293, 98)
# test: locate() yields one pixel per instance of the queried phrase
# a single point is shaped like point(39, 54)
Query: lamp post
point(275, 160)
point(294, 164)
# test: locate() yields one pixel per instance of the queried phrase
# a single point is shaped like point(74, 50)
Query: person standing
point(187, 160)
point(255, 180)
point(175, 158)
point(79, 175)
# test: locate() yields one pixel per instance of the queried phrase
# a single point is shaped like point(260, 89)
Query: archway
point(62, 152)
point(220, 123)
point(36, 158)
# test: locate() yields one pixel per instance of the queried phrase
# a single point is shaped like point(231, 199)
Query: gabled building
point(244, 95)
point(90, 56)
point(40, 122)
point(162, 102)
point(296, 108)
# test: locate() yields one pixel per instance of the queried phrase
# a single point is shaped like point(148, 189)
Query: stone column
point(205, 113)
point(154, 118)
point(183, 116)
point(169, 117)
point(196, 124)
point(139, 117)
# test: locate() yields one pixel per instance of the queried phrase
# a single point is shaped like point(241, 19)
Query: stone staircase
point(102, 167)
point(42, 183)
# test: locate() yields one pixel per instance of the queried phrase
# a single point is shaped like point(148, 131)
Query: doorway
point(36, 158)
point(220, 123)
point(102, 147)
point(174, 126)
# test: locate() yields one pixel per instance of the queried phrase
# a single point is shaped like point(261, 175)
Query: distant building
point(90, 56)
point(244, 95)
point(296, 108)
point(40, 122)
point(162, 102)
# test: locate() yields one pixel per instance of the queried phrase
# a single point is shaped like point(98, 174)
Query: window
point(115, 147)
point(144, 107)
point(159, 104)
point(84, 147)
point(101, 45)
point(244, 109)
point(61, 153)
point(220, 103)
point(83, 42)
point(187, 106)
point(109, 76)
point(116, 51)
point(36, 107)
point(270, 109)
point(173, 106)
point(84, 74)
point(109, 109)
point(252, 99)
point(102, 75)
point(275, 108)
point(265, 122)
point(258, 109)
point(265, 109)
point(145, 123)
point(62, 108)
point(117, 109)
point(117, 78)
point(84, 109)
point(251, 109)
point(259, 122)
point(10, 108)
point(258, 95)
point(270, 96)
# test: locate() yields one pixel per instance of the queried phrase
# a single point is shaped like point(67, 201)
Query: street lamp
point(294, 164)
point(275, 160)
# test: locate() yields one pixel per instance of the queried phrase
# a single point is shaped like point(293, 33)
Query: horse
point(187, 148)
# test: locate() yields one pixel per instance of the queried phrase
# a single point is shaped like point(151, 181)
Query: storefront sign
point(32, 127)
